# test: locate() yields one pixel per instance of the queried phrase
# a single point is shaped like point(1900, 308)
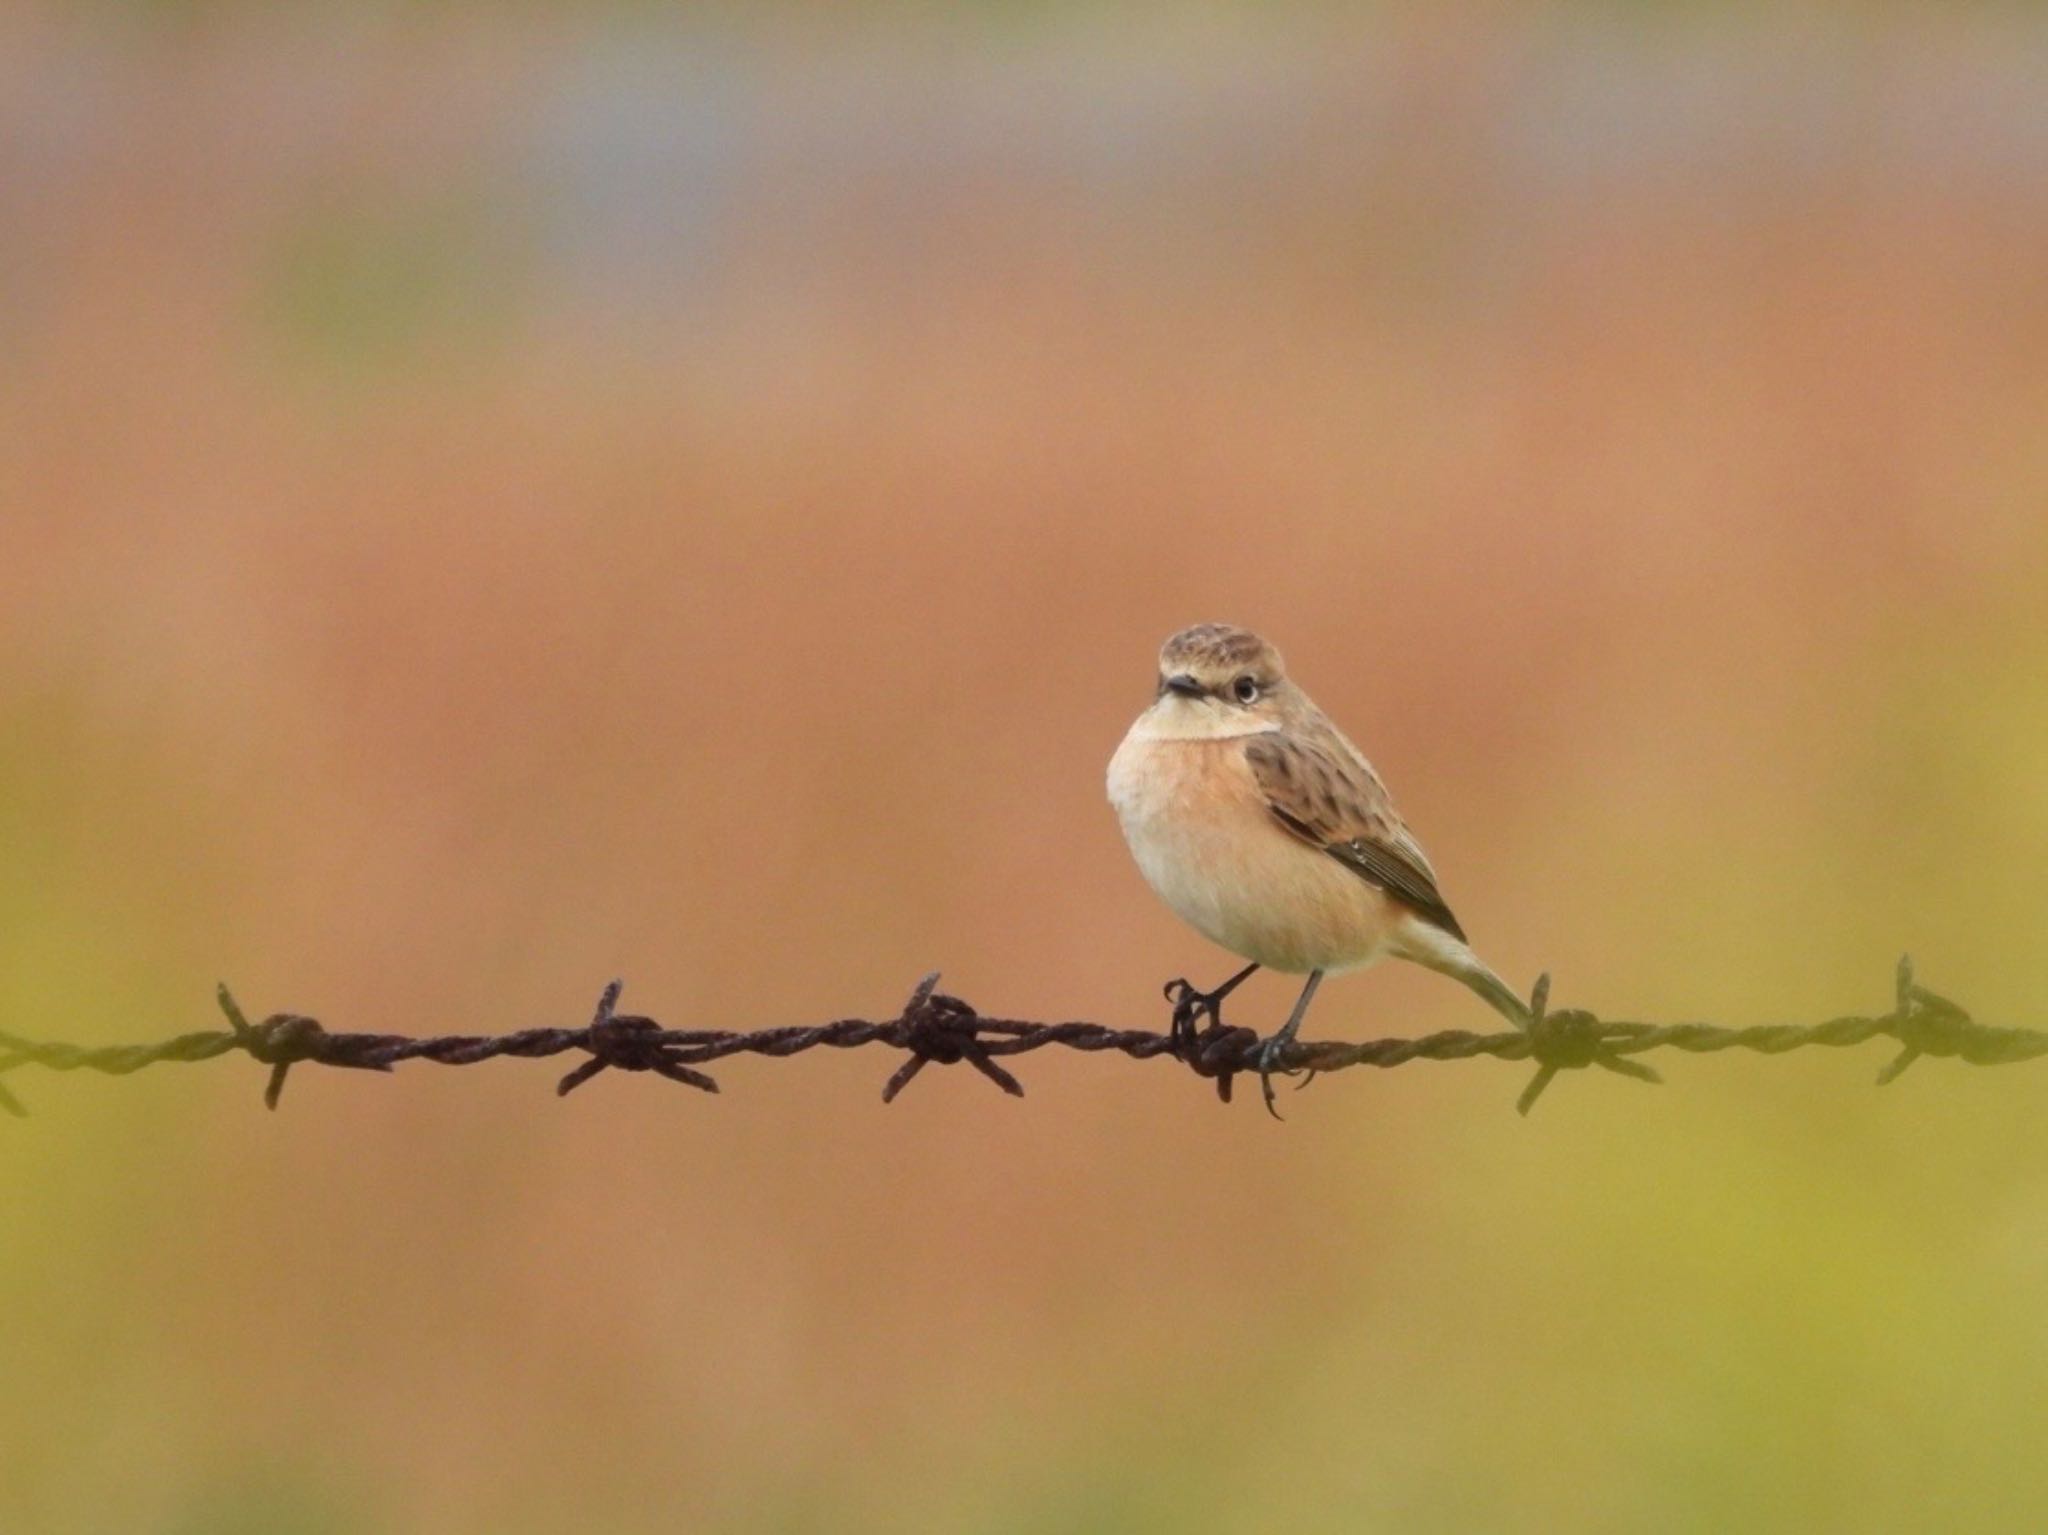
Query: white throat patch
point(1174, 718)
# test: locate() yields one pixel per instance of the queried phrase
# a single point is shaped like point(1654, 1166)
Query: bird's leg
point(1189, 1005)
point(1273, 1049)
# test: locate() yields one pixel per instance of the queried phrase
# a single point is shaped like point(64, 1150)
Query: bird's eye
point(1245, 690)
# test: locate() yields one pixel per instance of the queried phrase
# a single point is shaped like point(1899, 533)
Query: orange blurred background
point(498, 498)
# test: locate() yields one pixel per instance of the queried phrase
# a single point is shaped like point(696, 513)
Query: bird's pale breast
point(1205, 840)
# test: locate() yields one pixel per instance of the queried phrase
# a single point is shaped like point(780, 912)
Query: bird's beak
point(1185, 686)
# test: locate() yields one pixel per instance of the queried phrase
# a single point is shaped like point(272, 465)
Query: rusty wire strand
point(936, 1028)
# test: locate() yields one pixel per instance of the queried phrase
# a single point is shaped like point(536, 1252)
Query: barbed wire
point(934, 1028)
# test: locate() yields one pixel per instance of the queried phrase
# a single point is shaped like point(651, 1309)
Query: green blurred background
point(498, 498)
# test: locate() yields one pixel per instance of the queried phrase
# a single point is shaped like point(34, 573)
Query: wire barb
point(281, 1041)
point(933, 1027)
point(1568, 1041)
point(1215, 1050)
point(940, 1028)
point(630, 1043)
point(1927, 1024)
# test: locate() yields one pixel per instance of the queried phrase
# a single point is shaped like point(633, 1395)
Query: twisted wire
point(934, 1028)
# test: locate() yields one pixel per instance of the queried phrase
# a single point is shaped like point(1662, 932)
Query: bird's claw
point(1271, 1053)
point(1190, 1008)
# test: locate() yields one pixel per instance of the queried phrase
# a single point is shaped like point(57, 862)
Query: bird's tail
point(1495, 990)
point(1430, 945)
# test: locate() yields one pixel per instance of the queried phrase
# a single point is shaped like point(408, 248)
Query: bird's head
point(1219, 680)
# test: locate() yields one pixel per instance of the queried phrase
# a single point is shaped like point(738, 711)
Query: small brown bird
point(1268, 832)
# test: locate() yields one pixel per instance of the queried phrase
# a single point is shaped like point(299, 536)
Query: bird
point(1254, 818)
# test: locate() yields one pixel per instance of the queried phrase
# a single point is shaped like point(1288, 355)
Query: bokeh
point(492, 499)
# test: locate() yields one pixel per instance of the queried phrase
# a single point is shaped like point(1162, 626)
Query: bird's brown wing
point(1327, 795)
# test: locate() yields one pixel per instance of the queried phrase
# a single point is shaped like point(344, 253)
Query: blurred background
point(495, 498)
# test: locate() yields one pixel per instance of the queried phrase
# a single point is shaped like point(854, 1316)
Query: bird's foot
point(1272, 1053)
point(1191, 1007)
